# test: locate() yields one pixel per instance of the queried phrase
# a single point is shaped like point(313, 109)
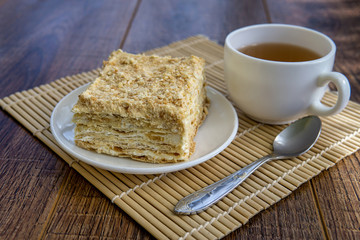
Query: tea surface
point(280, 52)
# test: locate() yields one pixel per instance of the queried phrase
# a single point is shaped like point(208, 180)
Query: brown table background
point(40, 41)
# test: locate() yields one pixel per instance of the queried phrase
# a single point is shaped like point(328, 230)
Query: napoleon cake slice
point(148, 108)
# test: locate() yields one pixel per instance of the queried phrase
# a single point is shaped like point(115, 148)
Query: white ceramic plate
point(213, 136)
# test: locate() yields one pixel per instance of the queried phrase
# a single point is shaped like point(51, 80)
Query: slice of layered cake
point(148, 108)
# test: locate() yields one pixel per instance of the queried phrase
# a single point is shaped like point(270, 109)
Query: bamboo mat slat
point(149, 199)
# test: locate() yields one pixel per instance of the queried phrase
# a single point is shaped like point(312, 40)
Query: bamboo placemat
point(149, 199)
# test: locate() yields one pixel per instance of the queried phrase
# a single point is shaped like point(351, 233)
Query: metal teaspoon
point(293, 141)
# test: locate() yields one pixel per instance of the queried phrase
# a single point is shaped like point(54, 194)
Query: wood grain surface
point(40, 41)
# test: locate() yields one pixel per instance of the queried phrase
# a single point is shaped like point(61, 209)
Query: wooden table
point(40, 41)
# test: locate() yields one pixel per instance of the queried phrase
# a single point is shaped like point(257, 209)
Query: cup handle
point(343, 87)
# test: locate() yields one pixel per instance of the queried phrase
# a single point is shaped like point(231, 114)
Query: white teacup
point(278, 92)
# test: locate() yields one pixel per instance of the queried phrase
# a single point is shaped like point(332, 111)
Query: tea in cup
point(277, 73)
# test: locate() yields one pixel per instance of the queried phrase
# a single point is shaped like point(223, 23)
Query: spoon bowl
point(293, 141)
point(298, 138)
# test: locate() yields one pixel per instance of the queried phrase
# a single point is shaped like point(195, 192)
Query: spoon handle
point(204, 198)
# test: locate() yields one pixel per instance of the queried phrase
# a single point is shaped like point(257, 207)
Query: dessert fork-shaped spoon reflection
point(293, 141)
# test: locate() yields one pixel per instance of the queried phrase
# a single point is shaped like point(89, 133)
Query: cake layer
point(118, 122)
point(145, 155)
point(150, 87)
point(118, 135)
